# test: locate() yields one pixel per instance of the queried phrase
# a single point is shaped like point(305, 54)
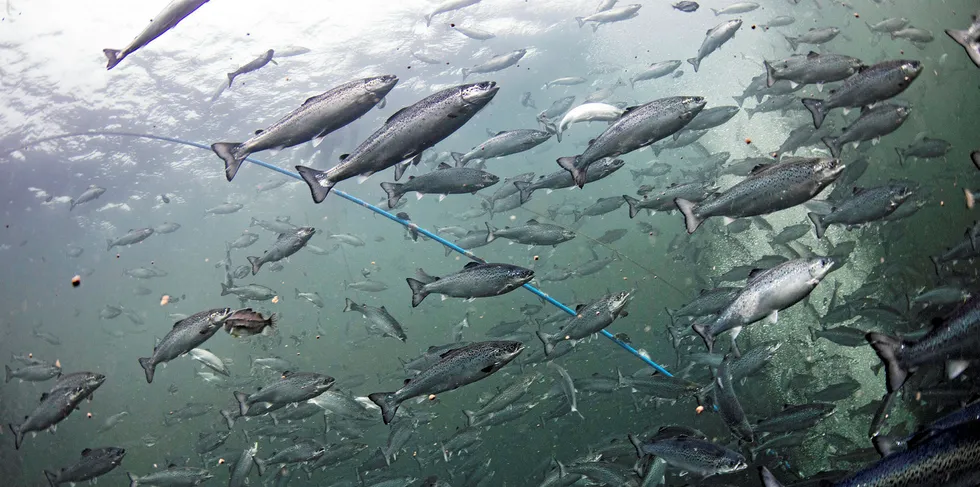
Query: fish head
point(735, 463)
point(324, 382)
point(567, 235)
point(820, 267)
point(899, 194)
point(381, 85)
point(828, 169)
point(489, 179)
point(219, 315)
point(305, 232)
point(693, 105)
point(614, 164)
point(115, 454)
point(911, 69)
point(520, 274)
point(506, 351)
point(618, 301)
point(479, 93)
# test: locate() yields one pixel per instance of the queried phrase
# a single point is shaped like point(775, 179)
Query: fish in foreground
point(455, 368)
point(404, 136)
point(92, 193)
point(639, 126)
point(700, 457)
point(953, 343)
point(287, 244)
point(608, 16)
point(588, 320)
point(715, 37)
point(443, 181)
point(864, 206)
point(448, 6)
point(186, 335)
point(291, 387)
point(873, 124)
point(252, 65)
point(969, 39)
point(172, 476)
point(945, 457)
point(246, 322)
point(57, 404)
point(589, 112)
point(496, 63)
point(131, 237)
point(380, 319)
point(474, 281)
point(764, 295)
point(502, 144)
point(171, 15)
point(871, 85)
point(243, 466)
point(768, 189)
point(531, 233)
point(93, 464)
point(313, 120)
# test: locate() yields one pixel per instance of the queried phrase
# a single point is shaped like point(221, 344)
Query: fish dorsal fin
point(755, 273)
point(591, 141)
point(309, 100)
point(344, 156)
point(533, 222)
point(812, 55)
point(432, 348)
point(702, 291)
point(579, 308)
point(470, 265)
point(448, 353)
point(382, 308)
point(857, 190)
point(177, 323)
point(86, 452)
point(44, 395)
point(405, 383)
point(502, 132)
point(443, 165)
point(761, 168)
point(259, 132)
point(393, 115)
point(627, 110)
point(172, 465)
point(286, 374)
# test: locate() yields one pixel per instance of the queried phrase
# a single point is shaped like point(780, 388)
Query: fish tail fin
point(348, 304)
point(148, 367)
point(961, 37)
point(229, 420)
point(793, 42)
point(636, 444)
point(458, 157)
point(817, 224)
point(18, 435)
point(224, 289)
point(242, 399)
point(9, 374)
point(524, 188)
point(901, 156)
point(696, 62)
point(394, 191)
point(466, 72)
point(232, 154)
point(108, 244)
point(633, 204)
point(53, 479)
point(114, 56)
point(636, 174)
point(581, 21)
point(470, 417)
point(428, 19)
point(231, 79)
point(318, 182)
point(490, 232)
point(691, 220)
point(260, 465)
point(133, 480)
point(833, 143)
point(705, 333)
point(385, 401)
point(418, 292)
point(547, 340)
point(72, 202)
point(887, 348)
point(256, 264)
point(770, 74)
point(816, 109)
point(568, 164)
point(936, 263)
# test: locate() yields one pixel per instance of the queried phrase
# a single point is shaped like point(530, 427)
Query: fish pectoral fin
point(774, 317)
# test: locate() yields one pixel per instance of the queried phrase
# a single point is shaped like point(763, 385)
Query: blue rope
point(379, 211)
